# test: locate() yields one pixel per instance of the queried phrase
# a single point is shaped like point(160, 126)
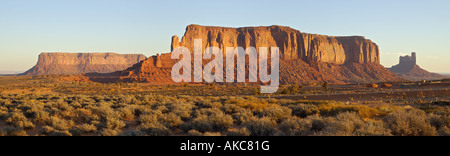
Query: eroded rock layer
point(305, 58)
point(76, 63)
point(292, 43)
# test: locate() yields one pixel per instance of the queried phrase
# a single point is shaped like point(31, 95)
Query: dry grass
point(60, 108)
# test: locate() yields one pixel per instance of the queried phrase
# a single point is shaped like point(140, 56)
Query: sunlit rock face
point(76, 63)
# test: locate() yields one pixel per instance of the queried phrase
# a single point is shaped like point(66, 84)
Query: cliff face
point(305, 58)
point(408, 69)
point(75, 63)
point(293, 44)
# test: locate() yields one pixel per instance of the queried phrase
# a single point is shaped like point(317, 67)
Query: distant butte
point(304, 58)
point(78, 63)
point(408, 69)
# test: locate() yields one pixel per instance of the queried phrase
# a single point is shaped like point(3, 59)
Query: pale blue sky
point(29, 27)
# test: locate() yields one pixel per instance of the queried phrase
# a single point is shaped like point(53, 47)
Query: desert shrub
point(46, 130)
point(210, 120)
point(410, 122)
point(109, 132)
point(126, 113)
point(182, 109)
point(160, 108)
point(75, 131)
point(209, 103)
point(154, 129)
point(50, 131)
point(335, 109)
point(3, 114)
point(277, 114)
point(256, 105)
point(439, 121)
point(109, 119)
point(243, 116)
point(207, 112)
point(85, 115)
point(349, 124)
point(148, 118)
point(87, 128)
point(373, 128)
point(292, 89)
point(369, 112)
point(261, 127)
point(68, 112)
point(139, 110)
point(444, 131)
point(344, 124)
point(318, 123)
point(295, 127)
point(170, 120)
point(194, 133)
point(200, 123)
point(132, 133)
point(238, 132)
point(231, 108)
point(303, 110)
point(19, 120)
point(59, 124)
point(12, 131)
point(60, 133)
point(38, 115)
point(113, 123)
point(212, 134)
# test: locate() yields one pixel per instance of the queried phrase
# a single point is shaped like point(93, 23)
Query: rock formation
point(304, 58)
point(76, 63)
point(293, 44)
point(408, 69)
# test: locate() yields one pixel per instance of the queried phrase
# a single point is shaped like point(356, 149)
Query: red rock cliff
point(293, 44)
point(305, 58)
point(75, 63)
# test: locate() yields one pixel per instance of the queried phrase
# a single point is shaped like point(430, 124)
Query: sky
point(399, 27)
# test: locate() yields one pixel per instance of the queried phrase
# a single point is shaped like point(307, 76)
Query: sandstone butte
point(304, 58)
point(408, 69)
point(77, 63)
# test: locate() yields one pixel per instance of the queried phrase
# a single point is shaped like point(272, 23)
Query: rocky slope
point(304, 58)
point(408, 69)
point(76, 63)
